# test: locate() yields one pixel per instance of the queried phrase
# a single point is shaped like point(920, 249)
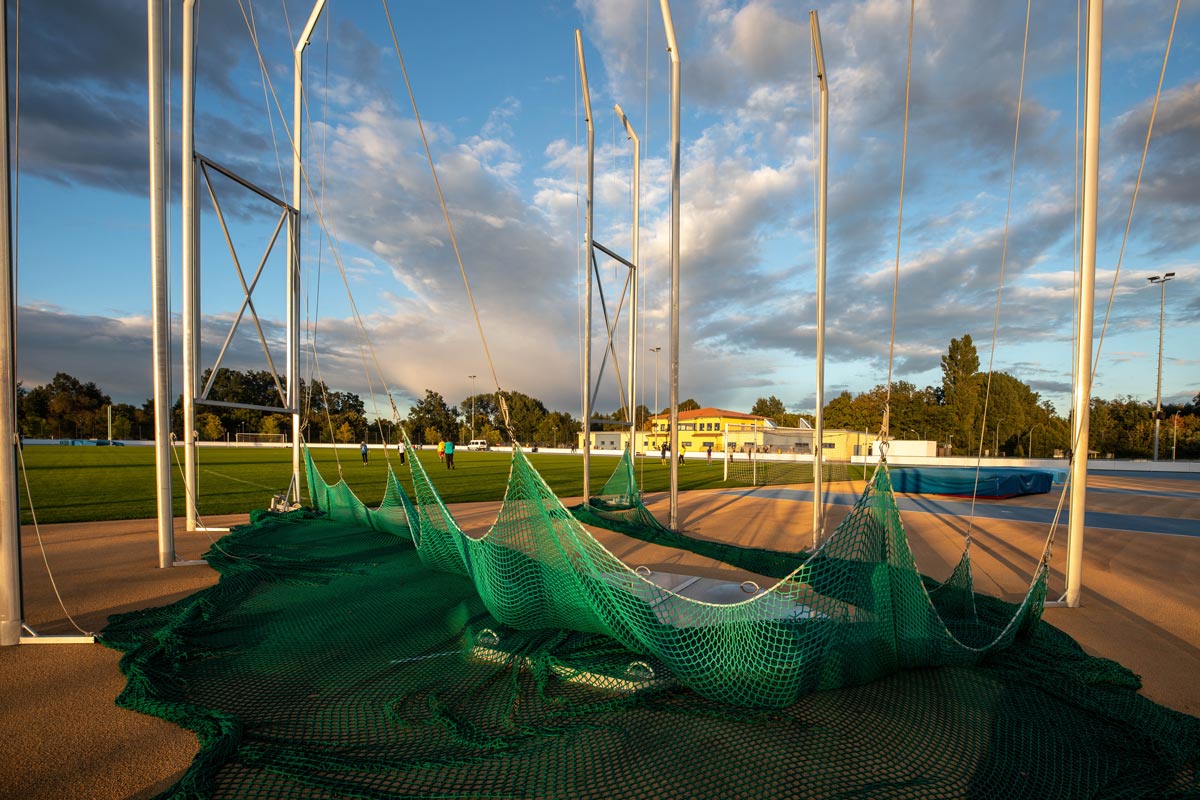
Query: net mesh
point(766, 470)
point(855, 610)
point(330, 661)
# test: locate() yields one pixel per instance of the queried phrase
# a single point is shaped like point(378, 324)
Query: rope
point(883, 435)
point(326, 227)
point(252, 27)
point(1136, 186)
point(449, 225)
point(196, 505)
point(987, 394)
point(42, 546)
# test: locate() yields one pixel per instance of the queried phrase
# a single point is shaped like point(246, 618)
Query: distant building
point(733, 432)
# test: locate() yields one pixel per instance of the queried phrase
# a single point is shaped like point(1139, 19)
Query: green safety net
point(619, 508)
point(330, 661)
point(852, 612)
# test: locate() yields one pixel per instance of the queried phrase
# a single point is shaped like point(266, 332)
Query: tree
point(771, 408)
point(65, 407)
point(961, 390)
point(431, 412)
point(209, 427)
point(526, 415)
point(689, 405)
point(345, 433)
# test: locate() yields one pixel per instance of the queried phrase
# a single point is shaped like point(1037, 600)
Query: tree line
point(1018, 422)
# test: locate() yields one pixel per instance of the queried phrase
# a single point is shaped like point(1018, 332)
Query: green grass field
point(80, 484)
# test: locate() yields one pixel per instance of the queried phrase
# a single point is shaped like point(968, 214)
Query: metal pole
point(637, 268)
point(1162, 282)
point(11, 606)
point(160, 299)
point(191, 285)
point(472, 377)
point(822, 196)
point(587, 268)
point(725, 447)
point(673, 48)
point(656, 351)
point(1083, 358)
point(293, 268)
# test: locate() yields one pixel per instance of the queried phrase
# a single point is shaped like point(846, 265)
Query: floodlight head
point(1168, 276)
point(1153, 279)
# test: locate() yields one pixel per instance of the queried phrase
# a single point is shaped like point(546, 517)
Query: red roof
point(712, 412)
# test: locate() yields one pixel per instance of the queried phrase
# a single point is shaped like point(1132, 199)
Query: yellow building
point(708, 427)
point(733, 431)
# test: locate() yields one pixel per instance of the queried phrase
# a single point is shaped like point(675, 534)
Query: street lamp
point(655, 350)
point(1174, 435)
point(1162, 302)
point(472, 377)
point(1031, 430)
point(996, 439)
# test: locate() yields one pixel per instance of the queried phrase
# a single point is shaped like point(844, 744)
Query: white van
point(479, 444)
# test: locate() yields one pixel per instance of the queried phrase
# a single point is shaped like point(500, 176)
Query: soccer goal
point(261, 438)
point(761, 456)
point(763, 469)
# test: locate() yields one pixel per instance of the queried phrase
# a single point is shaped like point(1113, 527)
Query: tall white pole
point(654, 416)
point(673, 47)
point(191, 284)
point(1162, 304)
point(293, 269)
point(11, 606)
point(160, 299)
point(637, 269)
point(1087, 289)
point(822, 196)
point(587, 268)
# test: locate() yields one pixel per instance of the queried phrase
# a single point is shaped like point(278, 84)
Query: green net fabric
point(619, 508)
point(854, 611)
point(330, 661)
point(621, 490)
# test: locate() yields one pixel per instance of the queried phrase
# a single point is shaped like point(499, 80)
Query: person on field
point(363, 451)
point(710, 455)
point(665, 452)
point(441, 450)
point(400, 450)
point(449, 453)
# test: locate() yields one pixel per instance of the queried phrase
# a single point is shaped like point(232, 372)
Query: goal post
point(774, 455)
point(261, 438)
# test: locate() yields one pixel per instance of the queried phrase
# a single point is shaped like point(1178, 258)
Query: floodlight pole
point(293, 267)
point(11, 606)
point(637, 268)
point(1162, 304)
point(656, 351)
point(472, 377)
point(587, 268)
point(822, 196)
point(673, 433)
point(1081, 399)
point(189, 229)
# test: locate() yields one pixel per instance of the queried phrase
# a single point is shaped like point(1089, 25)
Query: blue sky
point(497, 87)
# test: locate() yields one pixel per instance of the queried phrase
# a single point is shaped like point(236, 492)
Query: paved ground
point(65, 738)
